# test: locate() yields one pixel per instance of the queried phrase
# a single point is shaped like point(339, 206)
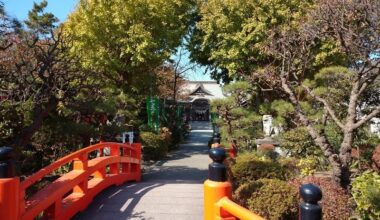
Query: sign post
point(153, 110)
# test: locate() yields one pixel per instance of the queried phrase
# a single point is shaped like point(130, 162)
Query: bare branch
point(368, 117)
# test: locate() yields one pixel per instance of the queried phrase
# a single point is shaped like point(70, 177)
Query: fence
point(92, 170)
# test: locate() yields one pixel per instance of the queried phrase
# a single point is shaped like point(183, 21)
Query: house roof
point(202, 90)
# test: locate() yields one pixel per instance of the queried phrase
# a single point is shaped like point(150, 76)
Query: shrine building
point(197, 97)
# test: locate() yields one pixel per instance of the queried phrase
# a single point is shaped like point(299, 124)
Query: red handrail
point(235, 210)
point(73, 191)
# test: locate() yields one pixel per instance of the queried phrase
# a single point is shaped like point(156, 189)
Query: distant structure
point(375, 126)
point(198, 95)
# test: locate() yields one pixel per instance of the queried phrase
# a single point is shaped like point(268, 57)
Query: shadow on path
point(170, 189)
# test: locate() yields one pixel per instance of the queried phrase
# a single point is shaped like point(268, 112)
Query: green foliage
point(269, 198)
point(237, 120)
point(282, 110)
point(250, 167)
point(125, 40)
point(308, 165)
point(298, 142)
point(366, 193)
point(154, 147)
point(39, 21)
point(244, 192)
point(226, 29)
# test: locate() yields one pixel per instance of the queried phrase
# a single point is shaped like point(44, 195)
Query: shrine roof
point(202, 89)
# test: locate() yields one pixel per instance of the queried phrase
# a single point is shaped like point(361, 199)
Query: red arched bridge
point(99, 166)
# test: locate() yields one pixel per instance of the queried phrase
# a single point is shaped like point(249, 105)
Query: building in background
point(197, 97)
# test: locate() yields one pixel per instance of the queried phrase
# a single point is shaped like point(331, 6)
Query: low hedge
point(154, 146)
point(269, 198)
point(250, 167)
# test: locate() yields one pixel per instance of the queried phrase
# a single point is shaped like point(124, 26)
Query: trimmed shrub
point(250, 167)
point(308, 165)
point(244, 192)
point(366, 193)
point(270, 198)
point(335, 201)
point(290, 163)
point(298, 142)
point(154, 147)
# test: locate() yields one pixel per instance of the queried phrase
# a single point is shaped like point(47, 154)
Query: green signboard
point(153, 110)
point(179, 112)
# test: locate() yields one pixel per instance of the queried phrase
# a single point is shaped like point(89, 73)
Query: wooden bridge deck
point(170, 189)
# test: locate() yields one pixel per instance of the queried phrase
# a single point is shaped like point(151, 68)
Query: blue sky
point(20, 8)
point(61, 9)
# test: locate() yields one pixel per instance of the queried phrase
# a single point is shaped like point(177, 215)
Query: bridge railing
point(92, 169)
point(218, 193)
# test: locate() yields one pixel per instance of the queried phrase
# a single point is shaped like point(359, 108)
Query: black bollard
point(310, 209)
point(136, 136)
point(216, 134)
point(216, 140)
point(217, 170)
point(7, 165)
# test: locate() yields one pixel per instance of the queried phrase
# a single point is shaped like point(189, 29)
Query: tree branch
point(326, 105)
point(364, 120)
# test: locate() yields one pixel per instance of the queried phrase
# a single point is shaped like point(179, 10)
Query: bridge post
point(115, 151)
point(10, 198)
point(81, 163)
point(310, 209)
point(136, 168)
point(217, 186)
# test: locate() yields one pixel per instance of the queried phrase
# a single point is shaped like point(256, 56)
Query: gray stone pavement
point(170, 189)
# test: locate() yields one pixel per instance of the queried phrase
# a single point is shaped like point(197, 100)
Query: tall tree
point(37, 73)
point(229, 34)
point(325, 57)
point(237, 120)
point(124, 41)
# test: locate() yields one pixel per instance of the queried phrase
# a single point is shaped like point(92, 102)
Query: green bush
point(308, 165)
point(269, 198)
point(298, 142)
point(244, 192)
point(250, 167)
point(154, 147)
point(366, 193)
point(290, 163)
point(335, 201)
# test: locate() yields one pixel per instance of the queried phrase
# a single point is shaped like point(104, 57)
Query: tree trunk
point(348, 135)
point(318, 138)
point(346, 157)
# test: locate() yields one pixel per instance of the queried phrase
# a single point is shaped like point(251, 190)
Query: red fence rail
point(92, 170)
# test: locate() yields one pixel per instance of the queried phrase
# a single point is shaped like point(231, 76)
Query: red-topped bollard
point(310, 209)
point(217, 186)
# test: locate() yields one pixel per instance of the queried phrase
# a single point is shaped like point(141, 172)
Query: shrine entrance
point(200, 110)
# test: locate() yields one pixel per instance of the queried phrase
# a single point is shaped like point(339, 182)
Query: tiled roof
point(211, 89)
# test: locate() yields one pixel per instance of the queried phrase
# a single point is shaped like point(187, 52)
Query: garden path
point(170, 189)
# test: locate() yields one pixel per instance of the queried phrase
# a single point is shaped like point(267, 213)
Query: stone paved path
point(171, 189)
